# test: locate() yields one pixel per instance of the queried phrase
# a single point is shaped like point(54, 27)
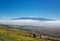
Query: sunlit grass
point(9, 34)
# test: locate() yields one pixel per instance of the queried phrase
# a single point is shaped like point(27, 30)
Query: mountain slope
point(7, 34)
point(34, 18)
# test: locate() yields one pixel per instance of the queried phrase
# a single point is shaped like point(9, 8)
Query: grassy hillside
point(8, 34)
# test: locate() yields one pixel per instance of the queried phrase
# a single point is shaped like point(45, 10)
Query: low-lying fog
point(31, 22)
point(35, 25)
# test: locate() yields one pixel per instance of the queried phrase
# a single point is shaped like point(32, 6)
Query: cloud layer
point(31, 22)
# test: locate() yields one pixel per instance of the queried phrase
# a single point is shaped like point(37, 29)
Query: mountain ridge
point(33, 18)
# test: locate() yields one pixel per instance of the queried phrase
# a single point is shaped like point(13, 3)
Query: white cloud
point(20, 22)
point(31, 22)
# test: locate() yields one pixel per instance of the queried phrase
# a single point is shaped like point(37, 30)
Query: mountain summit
point(33, 18)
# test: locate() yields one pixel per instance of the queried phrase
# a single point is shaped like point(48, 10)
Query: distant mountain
point(33, 18)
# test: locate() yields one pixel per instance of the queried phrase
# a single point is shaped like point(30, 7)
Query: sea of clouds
point(31, 22)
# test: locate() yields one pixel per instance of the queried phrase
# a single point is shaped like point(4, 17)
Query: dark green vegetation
point(10, 34)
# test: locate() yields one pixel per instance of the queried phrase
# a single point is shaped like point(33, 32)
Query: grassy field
point(8, 34)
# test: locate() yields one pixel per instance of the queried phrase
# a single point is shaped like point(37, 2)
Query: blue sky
point(39, 8)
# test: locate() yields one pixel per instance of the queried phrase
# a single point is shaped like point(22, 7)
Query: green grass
point(12, 37)
point(9, 34)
